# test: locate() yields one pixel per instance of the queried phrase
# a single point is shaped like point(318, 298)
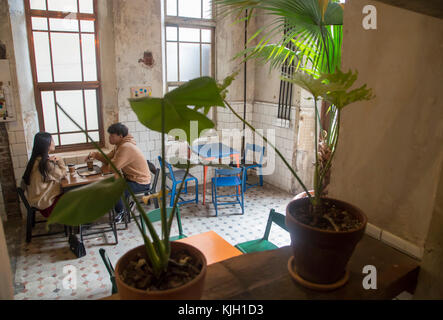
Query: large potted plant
point(158, 269)
point(324, 231)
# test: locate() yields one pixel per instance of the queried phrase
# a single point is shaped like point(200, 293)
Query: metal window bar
point(285, 95)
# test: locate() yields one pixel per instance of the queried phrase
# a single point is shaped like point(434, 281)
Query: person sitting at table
point(43, 175)
point(128, 158)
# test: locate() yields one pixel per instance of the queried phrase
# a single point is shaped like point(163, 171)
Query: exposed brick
point(7, 178)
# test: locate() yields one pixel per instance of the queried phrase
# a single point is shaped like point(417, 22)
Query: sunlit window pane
point(62, 5)
point(38, 4)
point(95, 136)
point(55, 138)
point(86, 6)
point(89, 60)
point(87, 26)
point(63, 24)
point(189, 34)
point(206, 35)
point(206, 60)
point(171, 63)
point(66, 57)
point(171, 7)
point(72, 102)
point(49, 116)
point(39, 23)
point(91, 109)
point(189, 61)
point(171, 33)
point(42, 57)
point(207, 9)
point(190, 8)
point(72, 138)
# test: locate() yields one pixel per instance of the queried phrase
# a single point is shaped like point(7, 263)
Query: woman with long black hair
point(43, 175)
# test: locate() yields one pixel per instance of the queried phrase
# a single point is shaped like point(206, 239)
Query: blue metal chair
point(259, 164)
point(229, 178)
point(261, 151)
point(176, 178)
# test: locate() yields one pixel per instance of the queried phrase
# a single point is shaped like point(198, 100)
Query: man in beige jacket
point(128, 158)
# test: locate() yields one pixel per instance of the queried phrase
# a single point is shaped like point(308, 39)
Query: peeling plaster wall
point(390, 149)
point(137, 28)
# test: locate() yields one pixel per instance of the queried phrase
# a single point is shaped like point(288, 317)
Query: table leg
point(237, 159)
point(205, 172)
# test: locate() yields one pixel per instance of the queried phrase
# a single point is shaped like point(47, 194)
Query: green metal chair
point(110, 269)
point(263, 244)
point(155, 215)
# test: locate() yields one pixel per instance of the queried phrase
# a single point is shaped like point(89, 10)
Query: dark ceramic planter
point(321, 256)
point(192, 290)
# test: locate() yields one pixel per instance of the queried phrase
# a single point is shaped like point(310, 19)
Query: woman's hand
point(54, 158)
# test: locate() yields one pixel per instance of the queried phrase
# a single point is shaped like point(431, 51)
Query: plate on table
point(84, 172)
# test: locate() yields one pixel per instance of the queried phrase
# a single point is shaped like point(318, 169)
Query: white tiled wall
point(265, 117)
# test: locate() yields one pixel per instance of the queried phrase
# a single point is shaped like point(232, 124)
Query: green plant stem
point(163, 188)
point(171, 218)
point(334, 148)
point(276, 150)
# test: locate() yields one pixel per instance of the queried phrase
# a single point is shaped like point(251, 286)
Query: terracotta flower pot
point(321, 256)
point(192, 290)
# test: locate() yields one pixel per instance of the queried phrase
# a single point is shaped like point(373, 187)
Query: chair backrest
point(156, 172)
point(167, 164)
point(156, 215)
point(22, 195)
point(277, 218)
point(228, 172)
point(255, 148)
point(110, 269)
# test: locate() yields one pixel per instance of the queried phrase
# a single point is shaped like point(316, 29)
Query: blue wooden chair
point(176, 178)
point(264, 244)
point(229, 178)
point(260, 150)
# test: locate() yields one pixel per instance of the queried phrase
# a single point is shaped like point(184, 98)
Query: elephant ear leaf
point(88, 203)
point(200, 92)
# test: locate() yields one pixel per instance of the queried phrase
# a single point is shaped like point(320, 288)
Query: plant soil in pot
point(183, 280)
point(321, 253)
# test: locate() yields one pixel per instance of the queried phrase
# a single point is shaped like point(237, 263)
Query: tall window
point(189, 40)
point(63, 43)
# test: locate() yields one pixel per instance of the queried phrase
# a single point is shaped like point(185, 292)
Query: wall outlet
point(139, 92)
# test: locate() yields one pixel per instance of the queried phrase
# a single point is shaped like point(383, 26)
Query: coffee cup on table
point(90, 164)
point(71, 168)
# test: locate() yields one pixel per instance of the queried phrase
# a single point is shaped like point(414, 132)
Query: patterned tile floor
point(42, 267)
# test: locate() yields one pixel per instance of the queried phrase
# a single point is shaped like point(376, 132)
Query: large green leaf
point(88, 203)
point(199, 92)
point(148, 111)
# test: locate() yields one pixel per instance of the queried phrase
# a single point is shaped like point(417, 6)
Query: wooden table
point(213, 246)
point(212, 151)
point(264, 276)
point(73, 181)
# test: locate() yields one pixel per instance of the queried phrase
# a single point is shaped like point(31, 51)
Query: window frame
point(40, 87)
point(186, 22)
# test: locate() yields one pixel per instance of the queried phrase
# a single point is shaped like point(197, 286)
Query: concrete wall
point(6, 291)
point(390, 149)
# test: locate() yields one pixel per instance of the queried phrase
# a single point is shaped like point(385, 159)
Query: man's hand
point(89, 156)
